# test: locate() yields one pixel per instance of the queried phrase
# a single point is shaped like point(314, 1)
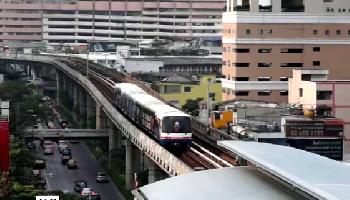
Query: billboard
point(331, 148)
point(314, 129)
point(4, 145)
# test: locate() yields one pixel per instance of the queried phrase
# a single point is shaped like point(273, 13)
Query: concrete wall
point(142, 66)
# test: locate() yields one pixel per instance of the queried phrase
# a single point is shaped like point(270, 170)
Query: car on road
point(101, 177)
point(86, 192)
point(48, 149)
point(74, 141)
point(80, 184)
point(66, 151)
point(31, 146)
point(93, 196)
point(72, 164)
point(39, 163)
point(65, 158)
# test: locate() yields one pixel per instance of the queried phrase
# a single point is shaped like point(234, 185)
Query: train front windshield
point(176, 124)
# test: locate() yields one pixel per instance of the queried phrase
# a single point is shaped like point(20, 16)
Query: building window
point(286, 50)
point(283, 78)
point(224, 49)
point(223, 62)
point(264, 78)
point(316, 49)
point(264, 50)
point(247, 31)
point(284, 93)
point(300, 92)
point(292, 65)
point(326, 32)
point(241, 64)
point(316, 63)
point(270, 31)
point(344, 10)
point(172, 89)
point(229, 31)
point(324, 95)
point(261, 31)
point(212, 96)
point(338, 32)
point(187, 89)
point(242, 93)
point(327, 1)
point(242, 50)
point(339, 9)
point(315, 32)
point(349, 30)
point(242, 78)
point(264, 93)
point(264, 64)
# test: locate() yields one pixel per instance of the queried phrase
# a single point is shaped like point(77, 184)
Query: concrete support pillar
point(76, 108)
point(132, 160)
point(128, 165)
point(151, 171)
point(90, 112)
point(98, 115)
point(58, 86)
point(276, 6)
point(82, 108)
point(254, 6)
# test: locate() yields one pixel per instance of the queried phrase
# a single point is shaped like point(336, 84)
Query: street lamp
point(208, 96)
point(87, 59)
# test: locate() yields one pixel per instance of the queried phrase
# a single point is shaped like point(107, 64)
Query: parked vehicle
point(48, 149)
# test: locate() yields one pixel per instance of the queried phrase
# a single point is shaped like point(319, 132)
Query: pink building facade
point(311, 89)
point(263, 41)
point(74, 21)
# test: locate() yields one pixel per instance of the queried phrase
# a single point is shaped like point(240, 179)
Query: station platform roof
point(317, 176)
point(243, 183)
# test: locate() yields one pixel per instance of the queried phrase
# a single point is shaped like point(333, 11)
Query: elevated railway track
point(201, 155)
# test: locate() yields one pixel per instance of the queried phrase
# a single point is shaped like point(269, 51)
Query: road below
point(60, 178)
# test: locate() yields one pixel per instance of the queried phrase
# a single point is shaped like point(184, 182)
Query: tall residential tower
point(263, 40)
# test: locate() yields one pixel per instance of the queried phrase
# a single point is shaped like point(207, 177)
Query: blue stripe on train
point(168, 142)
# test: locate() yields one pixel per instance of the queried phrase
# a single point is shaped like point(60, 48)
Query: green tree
point(192, 106)
point(21, 190)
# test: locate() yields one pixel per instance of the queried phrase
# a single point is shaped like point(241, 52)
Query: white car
point(86, 192)
point(62, 145)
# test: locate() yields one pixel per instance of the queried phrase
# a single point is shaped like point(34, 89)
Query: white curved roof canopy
point(318, 176)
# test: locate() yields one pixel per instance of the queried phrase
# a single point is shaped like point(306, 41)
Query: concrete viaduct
point(93, 105)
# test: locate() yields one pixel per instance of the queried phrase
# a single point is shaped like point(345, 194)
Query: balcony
point(255, 85)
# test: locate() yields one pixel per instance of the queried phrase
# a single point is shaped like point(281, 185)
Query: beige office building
point(263, 40)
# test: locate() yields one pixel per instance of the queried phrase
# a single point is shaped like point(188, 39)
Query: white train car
point(169, 125)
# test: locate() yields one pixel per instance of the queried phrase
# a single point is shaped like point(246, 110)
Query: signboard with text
point(314, 129)
point(331, 148)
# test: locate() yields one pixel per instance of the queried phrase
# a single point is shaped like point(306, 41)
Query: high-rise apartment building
point(263, 40)
point(75, 21)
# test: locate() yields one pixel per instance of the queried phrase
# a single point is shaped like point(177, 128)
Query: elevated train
point(168, 125)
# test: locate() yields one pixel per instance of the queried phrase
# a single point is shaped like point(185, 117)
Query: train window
point(176, 124)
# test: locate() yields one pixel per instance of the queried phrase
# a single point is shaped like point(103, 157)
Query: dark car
point(31, 146)
point(39, 164)
point(79, 185)
point(66, 151)
point(65, 158)
point(101, 177)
